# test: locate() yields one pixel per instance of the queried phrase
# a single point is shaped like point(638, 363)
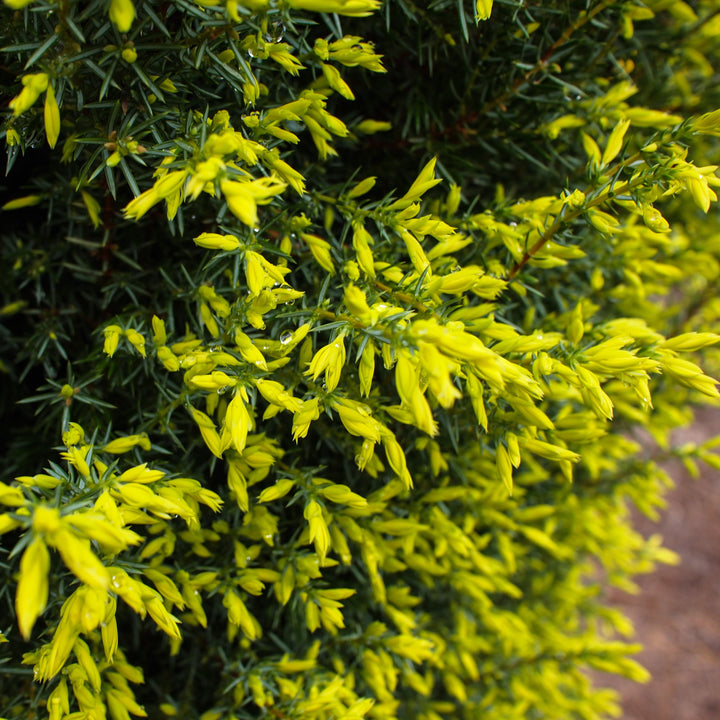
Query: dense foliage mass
point(349, 317)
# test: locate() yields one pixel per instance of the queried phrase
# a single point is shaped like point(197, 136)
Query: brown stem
point(402, 297)
point(561, 220)
point(582, 19)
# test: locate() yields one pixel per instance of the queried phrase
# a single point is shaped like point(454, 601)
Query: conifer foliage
point(327, 330)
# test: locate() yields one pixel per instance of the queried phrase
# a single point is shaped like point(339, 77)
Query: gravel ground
point(677, 613)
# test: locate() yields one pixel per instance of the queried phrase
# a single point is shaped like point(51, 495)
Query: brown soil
point(677, 612)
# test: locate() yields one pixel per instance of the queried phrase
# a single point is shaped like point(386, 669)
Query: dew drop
point(275, 32)
point(285, 338)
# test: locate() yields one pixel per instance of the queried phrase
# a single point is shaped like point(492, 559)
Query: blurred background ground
point(677, 612)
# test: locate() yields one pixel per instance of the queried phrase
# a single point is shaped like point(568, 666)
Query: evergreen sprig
point(345, 314)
